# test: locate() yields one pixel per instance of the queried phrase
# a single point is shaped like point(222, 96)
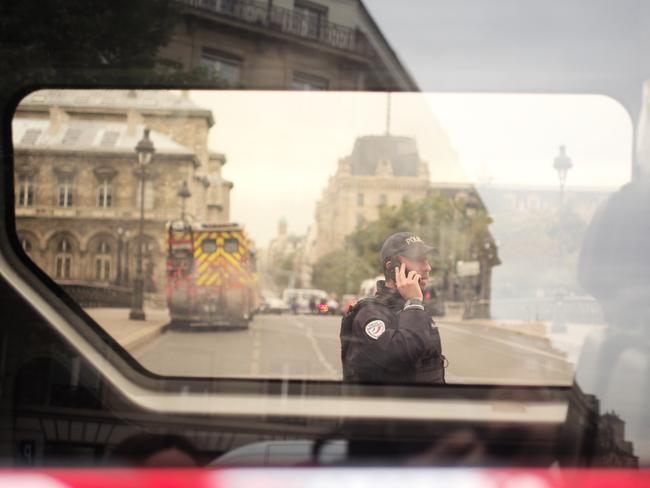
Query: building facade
point(380, 171)
point(279, 44)
point(78, 183)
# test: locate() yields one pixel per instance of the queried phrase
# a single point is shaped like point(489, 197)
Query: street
point(304, 346)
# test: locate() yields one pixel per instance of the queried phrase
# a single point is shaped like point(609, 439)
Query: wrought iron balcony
point(288, 21)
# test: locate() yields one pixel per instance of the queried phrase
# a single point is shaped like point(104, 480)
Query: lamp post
point(562, 165)
point(183, 194)
point(120, 244)
point(144, 149)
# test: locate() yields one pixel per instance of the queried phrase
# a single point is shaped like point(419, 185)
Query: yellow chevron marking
point(202, 267)
point(203, 278)
point(213, 280)
point(232, 260)
point(200, 256)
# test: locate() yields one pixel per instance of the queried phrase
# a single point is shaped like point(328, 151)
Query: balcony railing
point(288, 21)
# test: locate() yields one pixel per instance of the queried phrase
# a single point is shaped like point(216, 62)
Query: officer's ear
point(389, 267)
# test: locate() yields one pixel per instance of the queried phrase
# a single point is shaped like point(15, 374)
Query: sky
point(281, 147)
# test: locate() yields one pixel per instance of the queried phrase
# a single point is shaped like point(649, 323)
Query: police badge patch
point(375, 328)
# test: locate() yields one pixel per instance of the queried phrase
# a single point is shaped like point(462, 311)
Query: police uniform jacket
point(389, 344)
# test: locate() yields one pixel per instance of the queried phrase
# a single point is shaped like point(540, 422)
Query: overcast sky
point(281, 147)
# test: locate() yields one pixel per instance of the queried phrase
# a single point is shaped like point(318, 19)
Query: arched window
point(103, 261)
point(64, 245)
point(26, 244)
point(63, 260)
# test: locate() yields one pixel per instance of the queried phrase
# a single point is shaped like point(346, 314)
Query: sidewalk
point(567, 342)
point(131, 333)
point(532, 331)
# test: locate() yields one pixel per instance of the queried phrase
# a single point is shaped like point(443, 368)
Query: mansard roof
point(400, 151)
point(89, 136)
point(115, 100)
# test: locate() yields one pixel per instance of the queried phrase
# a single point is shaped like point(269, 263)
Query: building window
point(65, 191)
point(360, 220)
point(223, 67)
point(383, 199)
point(310, 19)
point(63, 260)
point(71, 136)
point(103, 262)
point(148, 194)
point(30, 136)
point(109, 138)
point(26, 245)
point(360, 199)
point(304, 81)
point(105, 193)
point(25, 190)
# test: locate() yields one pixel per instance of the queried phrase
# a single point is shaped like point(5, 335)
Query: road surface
point(304, 346)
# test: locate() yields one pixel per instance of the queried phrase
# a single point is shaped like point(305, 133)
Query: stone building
point(276, 44)
point(281, 255)
point(78, 184)
point(381, 171)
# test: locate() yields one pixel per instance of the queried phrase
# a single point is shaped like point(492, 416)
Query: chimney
point(58, 117)
point(133, 119)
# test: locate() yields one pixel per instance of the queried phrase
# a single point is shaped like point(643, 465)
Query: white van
point(301, 297)
point(369, 287)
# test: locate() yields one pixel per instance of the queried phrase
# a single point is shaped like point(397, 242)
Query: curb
point(536, 340)
point(137, 339)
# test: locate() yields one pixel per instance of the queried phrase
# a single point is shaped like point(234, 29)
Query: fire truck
point(211, 276)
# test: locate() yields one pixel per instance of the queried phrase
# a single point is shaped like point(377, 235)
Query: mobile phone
point(395, 263)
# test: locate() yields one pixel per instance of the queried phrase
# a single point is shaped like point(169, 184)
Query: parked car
point(274, 305)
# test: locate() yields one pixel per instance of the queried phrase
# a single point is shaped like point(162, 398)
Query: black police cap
point(405, 244)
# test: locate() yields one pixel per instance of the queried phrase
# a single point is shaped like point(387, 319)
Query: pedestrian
point(390, 337)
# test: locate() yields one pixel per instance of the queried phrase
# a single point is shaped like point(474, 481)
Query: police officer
point(390, 338)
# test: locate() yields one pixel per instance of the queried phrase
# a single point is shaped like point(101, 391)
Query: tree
point(76, 42)
point(439, 219)
point(341, 272)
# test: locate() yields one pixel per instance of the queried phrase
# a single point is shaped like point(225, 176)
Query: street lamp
point(183, 194)
point(122, 235)
point(562, 165)
point(144, 149)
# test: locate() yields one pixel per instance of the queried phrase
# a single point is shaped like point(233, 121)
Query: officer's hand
point(408, 286)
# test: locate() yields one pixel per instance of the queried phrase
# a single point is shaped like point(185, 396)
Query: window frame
point(65, 191)
point(210, 57)
point(307, 82)
point(105, 193)
point(25, 190)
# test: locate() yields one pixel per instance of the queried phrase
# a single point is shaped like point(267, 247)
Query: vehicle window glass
point(503, 187)
point(209, 246)
point(231, 245)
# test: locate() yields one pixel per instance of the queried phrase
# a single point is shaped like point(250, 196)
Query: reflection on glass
point(266, 253)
